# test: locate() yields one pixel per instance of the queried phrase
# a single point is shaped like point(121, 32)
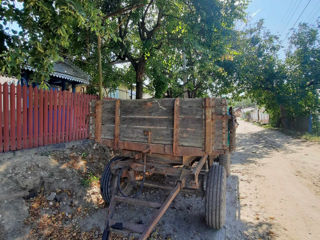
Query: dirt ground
point(273, 193)
point(279, 184)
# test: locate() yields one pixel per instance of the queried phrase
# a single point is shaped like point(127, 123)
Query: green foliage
point(89, 179)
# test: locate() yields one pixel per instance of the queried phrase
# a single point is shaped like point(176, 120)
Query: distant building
point(65, 76)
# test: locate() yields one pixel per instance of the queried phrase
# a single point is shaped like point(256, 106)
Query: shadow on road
point(236, 228)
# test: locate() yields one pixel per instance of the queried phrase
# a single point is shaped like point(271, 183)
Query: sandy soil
point(273, 193)
point(279, 184)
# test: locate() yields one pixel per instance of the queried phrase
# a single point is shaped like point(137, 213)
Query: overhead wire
point(300, 15)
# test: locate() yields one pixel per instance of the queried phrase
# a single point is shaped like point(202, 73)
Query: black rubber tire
point(108, 178)
point(224, 160)
point(215, 200)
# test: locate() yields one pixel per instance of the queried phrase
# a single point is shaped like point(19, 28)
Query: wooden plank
point(136, 134)
point(117, 124)
point(54, 117)
point(192, 107)
point(85, 115)
point(67, 132)
point(80, 116)
point(12, 118)
point(76, 116)
point(25, 117)
point(1, 137)
point(45, 119)
point(41, 116)
point(50, 118)
point(5, 117)
point(36, 121)
point(213, 123)
point(145, 122)
point(59, 117)
point(63, 115)
point(208, 126)
point(98, 125)
point(30, 117)
point(72, 117)
point(147, 107)
point(191, 137)
point(175, 144)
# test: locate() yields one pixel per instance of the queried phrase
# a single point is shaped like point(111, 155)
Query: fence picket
point(19, 146)
point(55, 117)
point(77, 125)
point(40, 117)
point(12, 117)
point(50, 116)
point(59, 117)
point(45, 120)
point(71, 123)
point(5, 117)
point(30, 117)
point(36, 120)
point(63, 113)
point(25, 116)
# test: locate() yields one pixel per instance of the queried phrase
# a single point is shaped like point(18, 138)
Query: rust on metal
point(175, 144)
point(98, 122)
point(117, 124)
point(157, 148)
point(135, 201)
point(208, 125)
point(161, 211)
point(198, 168)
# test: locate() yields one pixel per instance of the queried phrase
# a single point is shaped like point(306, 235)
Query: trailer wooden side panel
point(151, 121)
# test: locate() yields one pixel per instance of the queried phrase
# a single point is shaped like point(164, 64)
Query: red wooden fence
point(32, 117)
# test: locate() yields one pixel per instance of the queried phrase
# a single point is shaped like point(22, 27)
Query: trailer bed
point(178, 127)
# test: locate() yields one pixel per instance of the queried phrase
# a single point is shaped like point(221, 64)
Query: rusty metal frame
point(158, 148)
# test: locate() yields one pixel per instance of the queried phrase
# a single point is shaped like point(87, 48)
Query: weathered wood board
point(157, 117)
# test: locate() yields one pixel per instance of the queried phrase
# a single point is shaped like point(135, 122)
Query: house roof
point(67, 70)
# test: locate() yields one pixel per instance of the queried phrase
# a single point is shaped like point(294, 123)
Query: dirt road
point(273, 193)
point(279, 186)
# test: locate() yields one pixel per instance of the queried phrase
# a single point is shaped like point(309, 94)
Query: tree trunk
point(140, 69)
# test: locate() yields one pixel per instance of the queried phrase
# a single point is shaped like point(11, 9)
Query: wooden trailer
point(188, 139)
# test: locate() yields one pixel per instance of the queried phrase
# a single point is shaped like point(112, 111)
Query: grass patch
point(311, 137)
point(89, 179)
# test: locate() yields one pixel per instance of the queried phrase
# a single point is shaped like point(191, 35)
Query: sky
point(282, 15)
